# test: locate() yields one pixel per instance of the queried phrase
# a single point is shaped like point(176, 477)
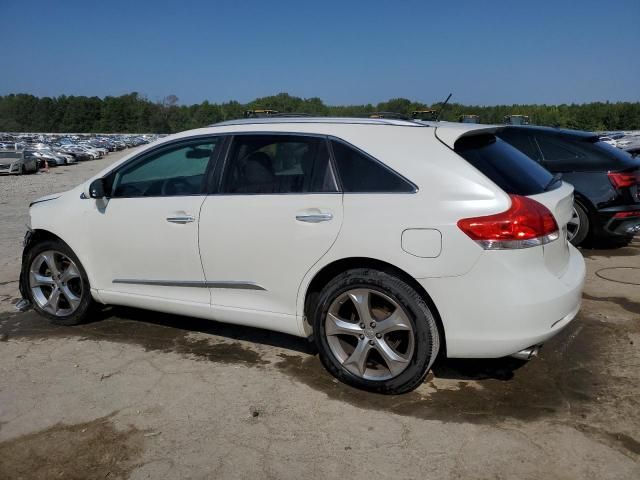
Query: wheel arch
point(584, 202)
point(37, 235)
point(335, 268)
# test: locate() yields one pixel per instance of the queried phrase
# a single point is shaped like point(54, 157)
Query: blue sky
point(485, 52)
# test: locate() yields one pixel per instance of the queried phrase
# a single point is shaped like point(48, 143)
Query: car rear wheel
point(578, 225)
point(57, 284)
point(375, 332)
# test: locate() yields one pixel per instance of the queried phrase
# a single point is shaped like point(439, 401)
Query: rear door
point(277, 211)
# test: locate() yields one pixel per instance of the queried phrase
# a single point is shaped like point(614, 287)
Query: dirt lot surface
point(136, 394)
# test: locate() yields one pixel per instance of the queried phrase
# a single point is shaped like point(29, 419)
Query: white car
point(387, 241)
point(609, 141)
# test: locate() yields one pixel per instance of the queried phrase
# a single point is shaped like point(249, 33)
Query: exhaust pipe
point(527, 353)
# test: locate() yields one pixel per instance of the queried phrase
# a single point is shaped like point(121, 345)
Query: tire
point(580, 216)
point(74, 303)
point(389, 298)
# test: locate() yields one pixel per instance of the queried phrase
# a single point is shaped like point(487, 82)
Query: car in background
point(516, 120)
point(633, 150)
point(469, 118)
point(608, 140)
point(15, 162)
point(53, 159)
point(426, 115)
point(606, 180)
point(100, 150)
point(78, 153)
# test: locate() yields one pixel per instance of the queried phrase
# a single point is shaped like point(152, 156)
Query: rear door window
point(506, 166)
point(279, 164)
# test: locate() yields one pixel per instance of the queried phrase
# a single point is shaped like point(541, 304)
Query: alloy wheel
point(55, 282)
point(369, 334)
point(573, 226)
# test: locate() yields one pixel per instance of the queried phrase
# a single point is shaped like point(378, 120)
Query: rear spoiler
point(450, 135)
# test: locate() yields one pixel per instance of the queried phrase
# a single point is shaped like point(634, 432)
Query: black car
point(606, 181)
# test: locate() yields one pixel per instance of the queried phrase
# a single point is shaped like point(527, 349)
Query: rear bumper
point(620, 227)
point(506, 303)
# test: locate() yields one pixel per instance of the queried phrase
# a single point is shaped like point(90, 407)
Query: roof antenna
point(444, 104)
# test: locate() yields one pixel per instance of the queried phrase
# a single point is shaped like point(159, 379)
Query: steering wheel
point(175, 186)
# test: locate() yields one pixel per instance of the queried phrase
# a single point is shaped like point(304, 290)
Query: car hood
point(46, 198)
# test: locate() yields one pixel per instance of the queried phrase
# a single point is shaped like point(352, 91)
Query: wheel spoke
point(70, 273)
point(360, 299)
point(73, 299)
point(358, 359)
point(52, 302)
point(396, 321)
point(50, 259)
point(395, 362)
point(38, 280)
point(337, 326)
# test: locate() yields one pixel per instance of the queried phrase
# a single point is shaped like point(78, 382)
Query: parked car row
point(23, 154)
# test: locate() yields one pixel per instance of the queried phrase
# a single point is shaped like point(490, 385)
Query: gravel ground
point(136, 394)
point(17, 191)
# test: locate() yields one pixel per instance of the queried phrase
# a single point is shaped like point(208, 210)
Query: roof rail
point(325, 120)
point(291, 114)
point(396, 115)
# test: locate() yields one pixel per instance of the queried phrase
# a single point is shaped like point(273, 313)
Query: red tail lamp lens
point(526, 223)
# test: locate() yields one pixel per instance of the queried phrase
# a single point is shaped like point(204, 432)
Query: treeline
point(135, 113)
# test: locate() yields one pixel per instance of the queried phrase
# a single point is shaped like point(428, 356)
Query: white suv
point(386, 241)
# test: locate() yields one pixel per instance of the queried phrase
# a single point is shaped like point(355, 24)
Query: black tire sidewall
point(86, 301)
point(426, 335)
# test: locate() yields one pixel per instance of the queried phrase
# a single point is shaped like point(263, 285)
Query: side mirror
point(96, 188)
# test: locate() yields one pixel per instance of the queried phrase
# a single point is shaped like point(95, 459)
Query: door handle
point(314, 217)
point(181, 219)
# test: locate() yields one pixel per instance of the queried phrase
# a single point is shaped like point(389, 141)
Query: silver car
point(13, 162)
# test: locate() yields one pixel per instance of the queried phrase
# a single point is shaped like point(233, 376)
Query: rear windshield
point(566, 153)
point(506, 166)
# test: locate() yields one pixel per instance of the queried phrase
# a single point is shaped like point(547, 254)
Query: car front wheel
point(57, 284)
point(375, 332)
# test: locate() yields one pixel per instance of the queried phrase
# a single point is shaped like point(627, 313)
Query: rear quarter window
point(506, 166)
point(361, 173)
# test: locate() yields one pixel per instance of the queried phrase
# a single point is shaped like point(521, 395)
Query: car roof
point(447, 132)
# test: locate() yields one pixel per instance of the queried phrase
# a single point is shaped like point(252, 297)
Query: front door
point(145, 235)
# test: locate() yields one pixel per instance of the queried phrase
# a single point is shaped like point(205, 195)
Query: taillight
point(526, 224)
point(627, 214)
point(624, 179)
